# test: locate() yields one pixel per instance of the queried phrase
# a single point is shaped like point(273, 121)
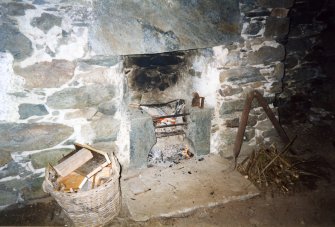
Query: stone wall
point(57, 90)
point(308, 95)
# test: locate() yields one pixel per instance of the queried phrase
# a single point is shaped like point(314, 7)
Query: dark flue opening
point(155, 60)
point(155, 71)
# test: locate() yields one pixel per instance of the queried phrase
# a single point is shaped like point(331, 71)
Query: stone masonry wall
point(55, 90)
point(308, 95)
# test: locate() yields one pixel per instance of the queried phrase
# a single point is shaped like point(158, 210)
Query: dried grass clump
point(271, 170)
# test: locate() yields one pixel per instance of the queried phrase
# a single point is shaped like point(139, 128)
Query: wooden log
point(73, 162)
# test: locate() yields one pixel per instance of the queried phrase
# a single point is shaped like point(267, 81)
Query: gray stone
point(241, 75)
point(142, 137)
point(108, 108)
point(233, 123)
point(12, 40)
point(46, 21)
point(27, 110)
point(74, 98)
point(47, 74)
point(41, 159)
point(291, 61)
point(298, 46)
point(35, 136)
point(157, 26)
point(276, 3)
point(87, 113)
point(227, 90)
point(276, 27)
point(254, 28)
point(102, 60)
point(199, 129)
point(16, 8)
point(228, 136)
point(109, 147)
point(259, 12)
point(106, 129)
point(231, 106)
point(278, 71)
point(266, 55)
point(33, 189)
point(5, 158)
point(249, 134)
point(8, 197)
point(252, 120)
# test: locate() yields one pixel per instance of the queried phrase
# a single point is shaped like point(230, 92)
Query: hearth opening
point(170, 123)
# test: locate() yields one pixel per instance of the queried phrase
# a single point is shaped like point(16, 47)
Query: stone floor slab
point(173, 191)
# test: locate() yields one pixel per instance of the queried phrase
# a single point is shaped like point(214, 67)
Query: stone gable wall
point(55, 89)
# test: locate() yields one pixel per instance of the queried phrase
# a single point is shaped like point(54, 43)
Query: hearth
point(168, 121)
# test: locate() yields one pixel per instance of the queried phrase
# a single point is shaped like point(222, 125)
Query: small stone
point(108, 108)
point(8, 197)
point(278, 71)
point(12, 40)
point(252, 120)
point(106, 129)
point(86, 113)
point(27, 110)
point(249, 134)
point(16, 8)
point(47, 74)
point(279, 12)
point(33, 136)
point(254, 28)
point(41, 159)
point(227, 90)
point(231, 106)
point(86, 96)
point(266, 55)
point(233, 123)
point(276, 27)
point(46, 21)
point(275, 3)
point(241, 75)
point(259, 12)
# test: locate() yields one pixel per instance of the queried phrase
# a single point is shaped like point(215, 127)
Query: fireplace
point(164, 126)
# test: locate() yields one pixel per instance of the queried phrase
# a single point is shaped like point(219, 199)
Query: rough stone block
point(8, 197)
point(241, 75)
point(86, 96)
point(142, 137)
point(231, 106)
point(47, 74)
point(34, 136)
point(46, 21)
point(275, 3)
point(27, 110)
point(276, 27)
point(227, 90)
point(149, 30)
point(266, 55)
point(109, 107)
point(16, 8)
point(105, 128)
point(41, 159)
point(199, 129)
point(254, 28)
point(12, 40)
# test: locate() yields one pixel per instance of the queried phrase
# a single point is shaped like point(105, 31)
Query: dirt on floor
point(306, 207)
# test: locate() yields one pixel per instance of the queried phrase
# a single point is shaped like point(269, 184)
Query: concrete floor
point(174, 191)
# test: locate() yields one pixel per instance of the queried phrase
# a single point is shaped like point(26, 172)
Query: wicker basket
point(95, 207)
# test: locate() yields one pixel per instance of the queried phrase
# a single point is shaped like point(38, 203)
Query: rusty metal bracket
point(244, 120)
